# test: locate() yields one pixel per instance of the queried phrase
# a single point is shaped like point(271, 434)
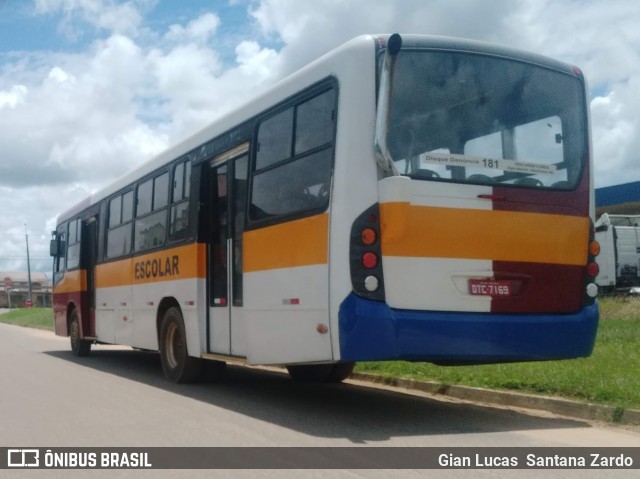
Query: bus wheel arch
point(165, 304)
point(80, 347)
point(70, 309)
point(177, 365)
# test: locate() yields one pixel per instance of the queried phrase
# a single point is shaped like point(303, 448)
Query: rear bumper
point(371, 331)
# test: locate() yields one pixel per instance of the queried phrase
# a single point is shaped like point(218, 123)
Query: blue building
point(619, 199)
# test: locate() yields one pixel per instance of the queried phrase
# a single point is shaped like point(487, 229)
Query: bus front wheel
point(177, 365)
point(80, 347)
point(328, 373)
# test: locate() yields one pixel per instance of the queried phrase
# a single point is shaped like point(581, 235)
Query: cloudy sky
point(89, 89)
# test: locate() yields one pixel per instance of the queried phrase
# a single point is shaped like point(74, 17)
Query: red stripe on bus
point(557, 202)
point(544, 288)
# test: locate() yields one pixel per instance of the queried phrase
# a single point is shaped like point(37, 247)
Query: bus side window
point(179, 221)
point(294, 160)
point(274, 139)
point(119, 225)
point(59, 262)
point(314, 122)
point(151, 213)
point(73, 251)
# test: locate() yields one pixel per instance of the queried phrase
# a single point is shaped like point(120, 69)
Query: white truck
point(619, 258)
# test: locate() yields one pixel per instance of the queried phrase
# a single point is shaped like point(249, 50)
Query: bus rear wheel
point(328, 373)
point(340, 372)
point(80, 347)
point(177, 365)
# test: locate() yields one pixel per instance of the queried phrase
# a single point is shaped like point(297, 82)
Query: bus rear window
point(478, 119)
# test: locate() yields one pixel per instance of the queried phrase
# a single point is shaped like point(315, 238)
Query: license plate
point(490, 287)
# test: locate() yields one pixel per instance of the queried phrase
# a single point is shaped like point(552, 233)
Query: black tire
point(79, 347)
point(330, 373)
point(340, 372)
point(213, 370)
point(310, 372)
point(177, 365)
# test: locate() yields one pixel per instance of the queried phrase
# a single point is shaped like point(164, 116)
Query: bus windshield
point(471, 118)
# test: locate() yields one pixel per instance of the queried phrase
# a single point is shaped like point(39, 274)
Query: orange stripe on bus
point(72, 282)
point(184, 262)
point(301, 242)
point(432, 232)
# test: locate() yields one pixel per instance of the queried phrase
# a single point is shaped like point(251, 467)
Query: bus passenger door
point(90, 245)
point(227, 183)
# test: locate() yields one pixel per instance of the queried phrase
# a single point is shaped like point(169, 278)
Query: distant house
point(14, 289)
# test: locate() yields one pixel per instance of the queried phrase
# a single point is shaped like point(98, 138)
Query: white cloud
point(15, 96)
point(29, 206)
point(309, 32)
point(615, 127)
point(256, 61)
point(84, 119)
point(195, 86)
point(199, 30)
point(105, 14)
point(73, 120)
point(59, 75)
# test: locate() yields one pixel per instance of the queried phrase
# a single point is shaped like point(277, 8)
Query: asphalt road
point(119, 397)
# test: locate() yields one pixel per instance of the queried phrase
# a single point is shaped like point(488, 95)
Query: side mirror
point(53, 247)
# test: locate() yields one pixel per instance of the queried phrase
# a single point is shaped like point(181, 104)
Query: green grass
point(40, 318)
point(611, 375)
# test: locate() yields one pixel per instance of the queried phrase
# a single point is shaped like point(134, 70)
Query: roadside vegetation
point(40, 318)
point(611, 375)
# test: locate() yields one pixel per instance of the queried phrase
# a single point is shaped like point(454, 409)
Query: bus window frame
point(60, 259)
point(572, 185)
point(152, 177)
point(74, 243)
point(186, 163)
point(293, 102)
point(107, 222)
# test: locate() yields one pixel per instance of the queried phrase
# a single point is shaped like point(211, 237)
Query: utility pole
point(28, 264)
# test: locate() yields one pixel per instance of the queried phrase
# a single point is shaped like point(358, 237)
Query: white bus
point(414, 198)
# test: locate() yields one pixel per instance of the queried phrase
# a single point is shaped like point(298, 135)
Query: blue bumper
point(372, 331)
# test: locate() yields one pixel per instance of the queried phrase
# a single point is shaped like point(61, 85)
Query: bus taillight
point(593, 268)
point(365, 255)
point(369, 260)
point(368, 236)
